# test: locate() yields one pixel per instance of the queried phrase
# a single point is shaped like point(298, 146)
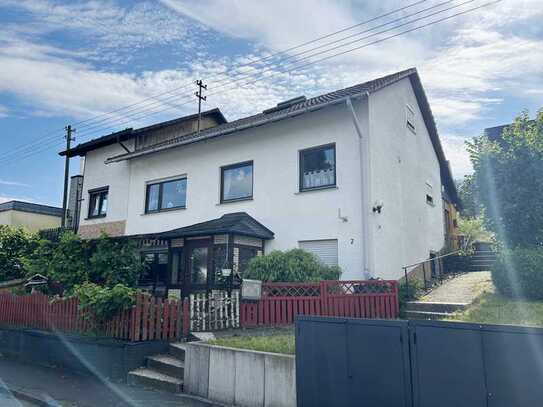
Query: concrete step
point(477, 261)
point(167, 364)
point(177, 350)
point(152, 379)
point(426, 315)
point(480, 268)
point(439, 307)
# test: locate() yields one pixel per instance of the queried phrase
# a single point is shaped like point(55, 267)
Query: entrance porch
point(203, 257)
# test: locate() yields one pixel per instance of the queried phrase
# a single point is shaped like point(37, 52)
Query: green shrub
point(416, 289)
point(72, 261)
point(115, 262)
point(519, 273)
point(64, 262)
point(295, 265)
point(103, 303)
point(15, 245)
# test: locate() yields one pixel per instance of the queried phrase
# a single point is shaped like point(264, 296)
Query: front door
point(198, 265)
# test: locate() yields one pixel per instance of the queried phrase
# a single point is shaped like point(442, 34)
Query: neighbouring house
point(356, 176)
point(31, 216)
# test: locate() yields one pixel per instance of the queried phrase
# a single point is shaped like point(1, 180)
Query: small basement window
point(410, 118)
point(98, 202)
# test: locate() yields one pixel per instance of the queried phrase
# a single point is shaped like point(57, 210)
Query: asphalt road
point(63, 388)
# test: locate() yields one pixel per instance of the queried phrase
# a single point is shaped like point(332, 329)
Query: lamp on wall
point(377, 207)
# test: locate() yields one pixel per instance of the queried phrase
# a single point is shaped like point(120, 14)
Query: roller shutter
point(325, 250)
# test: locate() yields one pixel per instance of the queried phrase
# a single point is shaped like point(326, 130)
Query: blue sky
point(64, 62)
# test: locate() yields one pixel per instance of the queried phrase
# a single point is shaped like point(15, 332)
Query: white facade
point(397, 169)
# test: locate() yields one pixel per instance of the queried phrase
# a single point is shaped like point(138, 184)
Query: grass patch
point(268, 343)
point(496, 309)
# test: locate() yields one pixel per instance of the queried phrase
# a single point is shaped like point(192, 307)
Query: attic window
point(410, 118)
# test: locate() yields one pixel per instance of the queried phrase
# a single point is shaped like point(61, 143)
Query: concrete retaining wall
point(240, 377)
point(107, 358)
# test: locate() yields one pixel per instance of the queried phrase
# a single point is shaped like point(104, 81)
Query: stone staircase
point(482, 260)
point(163, 371)
point(432, 310)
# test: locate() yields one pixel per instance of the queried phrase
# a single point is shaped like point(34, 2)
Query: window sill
point(164, 211)
point(234, 201)
point(95, 217)
point(328, 187)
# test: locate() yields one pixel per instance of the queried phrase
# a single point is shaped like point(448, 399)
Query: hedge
point(519, 273)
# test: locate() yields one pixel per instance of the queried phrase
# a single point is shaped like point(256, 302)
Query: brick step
point(166, 364)
point(177, 350)
point(427, 315)
point(439, 307)
point(152, 379)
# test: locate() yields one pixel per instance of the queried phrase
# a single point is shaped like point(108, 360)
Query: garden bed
point(282, 343)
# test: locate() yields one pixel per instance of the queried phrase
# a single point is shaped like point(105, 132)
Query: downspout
point(365, 191)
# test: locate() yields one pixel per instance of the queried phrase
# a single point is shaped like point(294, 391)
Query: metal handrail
point(405, 268)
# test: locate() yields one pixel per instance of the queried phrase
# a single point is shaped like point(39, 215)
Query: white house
point(355, 176)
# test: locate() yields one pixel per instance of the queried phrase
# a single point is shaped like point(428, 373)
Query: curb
point(23, 395)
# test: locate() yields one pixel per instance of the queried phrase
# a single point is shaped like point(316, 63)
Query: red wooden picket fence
point(150, 318)
point(281, 302)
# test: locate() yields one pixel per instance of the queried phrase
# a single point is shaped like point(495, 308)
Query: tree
point(116, 262)
point(64, 263)
point(15, 245)
point(508, 176)
point(474, 230)
point(471, 207)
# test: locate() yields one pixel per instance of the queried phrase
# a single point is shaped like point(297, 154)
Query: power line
point(228, 81)
point(252, 62)
point(176, 96)
point(134, 116)
point(363, 46)
point(373, 42)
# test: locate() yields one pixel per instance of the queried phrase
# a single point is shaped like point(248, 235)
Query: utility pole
point(69, 139)
point(198, 94)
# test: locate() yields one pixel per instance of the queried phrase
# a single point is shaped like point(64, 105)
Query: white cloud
point(455, 151)
point(467, 65)
point(3, 111)
point(275, 24)
point(13, 183)
point(115, 32)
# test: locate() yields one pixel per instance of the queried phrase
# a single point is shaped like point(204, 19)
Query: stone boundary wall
point(240, 377)
point(107, 358)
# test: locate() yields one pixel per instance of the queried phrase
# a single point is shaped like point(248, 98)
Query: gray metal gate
point(348, 362)
point(352, 362)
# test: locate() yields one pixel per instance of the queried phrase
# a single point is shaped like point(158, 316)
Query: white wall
point(116, 176)
point(401, 164)
point(291, 215)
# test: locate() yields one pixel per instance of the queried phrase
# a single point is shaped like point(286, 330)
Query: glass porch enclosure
point(185, 260)
point(179, 267)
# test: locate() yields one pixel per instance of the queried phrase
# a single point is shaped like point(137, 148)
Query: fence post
point(406, 283)
point(397, 298)
point(186, 317)
point(323, 298)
